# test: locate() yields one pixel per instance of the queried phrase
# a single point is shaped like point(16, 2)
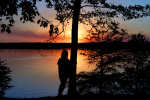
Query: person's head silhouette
point(64, 54)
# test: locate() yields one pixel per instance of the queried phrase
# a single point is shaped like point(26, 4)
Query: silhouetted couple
point(63, 70)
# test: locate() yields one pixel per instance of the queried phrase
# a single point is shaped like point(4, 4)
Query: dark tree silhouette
point(4, 78)
point(106, 79)
point(74, 46)
point(138, 38)
point(99, 17)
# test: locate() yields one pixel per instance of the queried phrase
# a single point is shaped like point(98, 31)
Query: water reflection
point(35, 72)
point(5, 78)
point(121, 72)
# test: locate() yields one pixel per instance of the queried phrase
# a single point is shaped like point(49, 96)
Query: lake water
point(34, 72)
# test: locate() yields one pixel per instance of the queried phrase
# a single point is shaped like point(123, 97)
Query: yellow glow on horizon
point(82, 32)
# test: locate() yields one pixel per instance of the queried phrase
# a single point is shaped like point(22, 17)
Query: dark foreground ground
point(83, 98)
point(42, 98)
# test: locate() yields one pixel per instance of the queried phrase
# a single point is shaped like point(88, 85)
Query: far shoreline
point(92, 45)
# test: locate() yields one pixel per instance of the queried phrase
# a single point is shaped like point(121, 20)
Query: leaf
point(51, 30)
point(56, 30)
point(45, 24)
point(8, 30)
point(3, 26)
point(2, 30)
point(21, 18)
point(11, 21)
point(38, 22)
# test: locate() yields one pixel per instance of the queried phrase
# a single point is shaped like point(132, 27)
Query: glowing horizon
point(32, 32)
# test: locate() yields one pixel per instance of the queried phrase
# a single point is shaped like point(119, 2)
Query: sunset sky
point(32, 32)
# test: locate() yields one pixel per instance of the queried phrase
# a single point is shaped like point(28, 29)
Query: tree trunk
point(74, 47)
